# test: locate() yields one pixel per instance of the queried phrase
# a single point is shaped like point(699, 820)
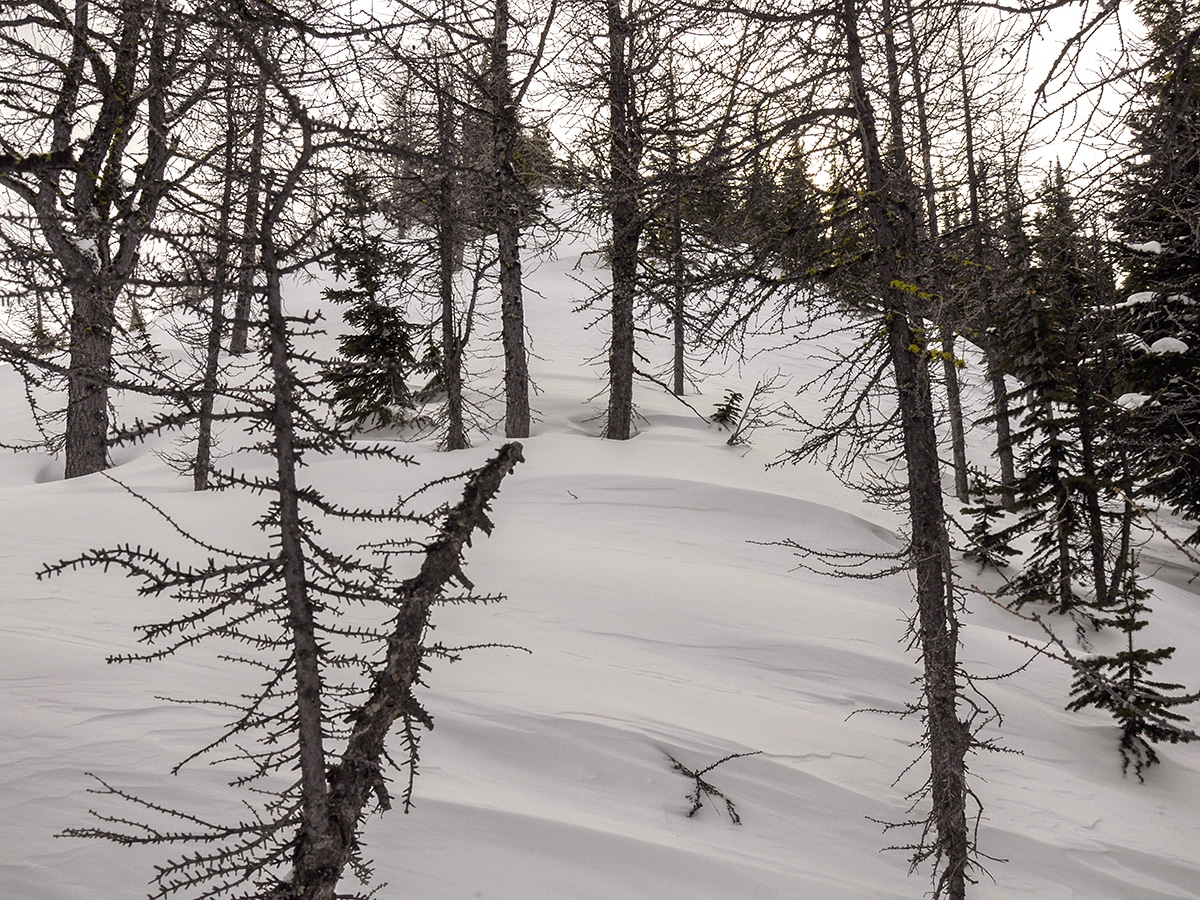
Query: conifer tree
point(1159, 221)
point(1062, 347)
point(380, 355)
point(1045, 345)
point(1076, 495)
point(1122, 684)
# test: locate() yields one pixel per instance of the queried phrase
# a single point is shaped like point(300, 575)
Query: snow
point(1168, 345)
point(1153, 247)
point(658, 622)
point(1132, 400)
point(1139, 299)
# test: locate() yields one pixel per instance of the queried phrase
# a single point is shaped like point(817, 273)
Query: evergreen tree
point(1075, 496)
point(1159, 221)
point(379, 356)
point(1048, 352)
point(1121, 683)
point(792, 223)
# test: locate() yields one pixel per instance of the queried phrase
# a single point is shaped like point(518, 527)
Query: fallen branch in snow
point(670, 391)
point(706, 789)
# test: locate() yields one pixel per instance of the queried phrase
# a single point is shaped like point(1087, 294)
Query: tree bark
point(452, 341)
point(624, 189)
point(1088, 439)
point(91, 324)
point(936, 625)
point(995, 375)
point(954, 412)
point(216, 325)
point(102, 254)
point(958, 437)
point(358, 775)
point(239, 339)
point(508, 233)
point(678, 264)
point(316, 843)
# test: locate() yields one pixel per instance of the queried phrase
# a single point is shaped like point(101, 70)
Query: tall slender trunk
point(678, 308)
point(678, 264)
point(220, 284)
point(926, 139)
point(239, 339)
point(954, 411)
point(1003, 420)
point(452, 340)
point(1061, 514)
point(316, 856)
point(315, 841)
point(202, 467)
point(508, 233)
point(936, 625)
point(624, 182)
point(1091, 495)
point(995, 374)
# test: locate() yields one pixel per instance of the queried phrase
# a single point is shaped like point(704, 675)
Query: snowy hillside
point(658, 623)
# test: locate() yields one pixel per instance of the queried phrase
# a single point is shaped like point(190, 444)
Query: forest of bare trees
point(925, 171)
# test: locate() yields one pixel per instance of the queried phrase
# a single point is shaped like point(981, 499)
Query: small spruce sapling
point(1121, 683)
point(729, 410)
point(990, 545)
point(379, 356)
point(742, 421)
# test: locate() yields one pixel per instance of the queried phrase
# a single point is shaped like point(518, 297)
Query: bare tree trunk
point(202, 466)
point(92, 321)
point(945, 327)
point(678, 312)
point(452, 341)
point(316, 843)
point(1091, 494)
point(1000, 412)
point(623, 198)
point(216, 326)
point(317, 850)
point(1004, 451)
point(936, 626)
point(100, 210)
point(958, 437)
point(357, 778)
point(678, 264)
point(508, 234)
point(239, 340)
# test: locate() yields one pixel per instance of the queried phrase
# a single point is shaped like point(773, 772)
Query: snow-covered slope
point(659, 622)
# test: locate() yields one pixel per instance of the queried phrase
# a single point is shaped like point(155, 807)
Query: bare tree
point(97, 88)
point(312, 736)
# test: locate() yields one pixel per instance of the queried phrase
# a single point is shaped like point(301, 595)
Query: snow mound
point(1168, 345)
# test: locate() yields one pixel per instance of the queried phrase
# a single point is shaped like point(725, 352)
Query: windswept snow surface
point(659, 621)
